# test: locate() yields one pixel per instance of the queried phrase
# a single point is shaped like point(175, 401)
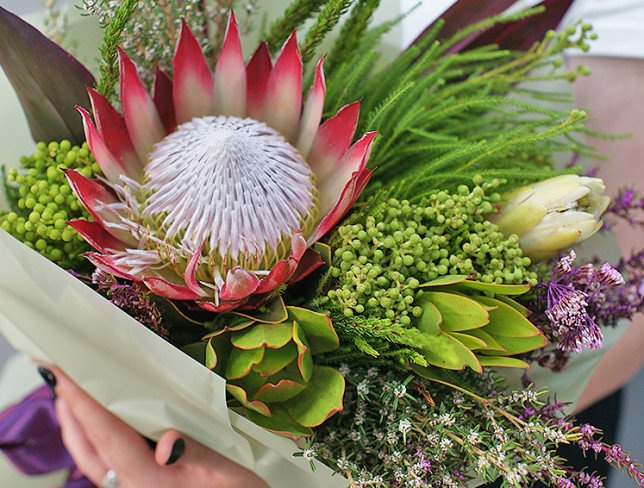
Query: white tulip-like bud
point(554, 214)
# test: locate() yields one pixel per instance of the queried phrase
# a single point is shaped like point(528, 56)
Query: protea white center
point(234, 184)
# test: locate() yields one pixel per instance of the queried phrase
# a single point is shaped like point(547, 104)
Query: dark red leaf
point(48, 80)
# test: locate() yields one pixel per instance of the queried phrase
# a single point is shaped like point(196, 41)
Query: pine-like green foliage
point(294, 16)
point(326, 21)
point(42, 201)
point(353, 29)
point(111, 40)
point(444, 117)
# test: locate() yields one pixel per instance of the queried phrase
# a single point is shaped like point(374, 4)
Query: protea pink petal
point(258, 72)
point(239, 284)
point(349, 195)
point(311, 260)
point(283, 104)
point(312, 113)
point(91, 193)
point(222, 307)
point(281, 272)
point(332, 140)
point(96, 235)
point(285, 268)
point(109, 165)
point(162, 98)
point(165, 289)
point(106, 263)
point(111, 126)
point(189, 274)
point(230, 73)
point(193, 86)
point(141, 116)
point(353, 162)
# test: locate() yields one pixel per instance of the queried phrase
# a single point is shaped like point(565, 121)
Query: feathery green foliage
point(294, 16)
point(111, 39)
point(352, 31)
point(444, 116)
point(326, 21)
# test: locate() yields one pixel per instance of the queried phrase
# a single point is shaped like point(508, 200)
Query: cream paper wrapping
point(52, 316)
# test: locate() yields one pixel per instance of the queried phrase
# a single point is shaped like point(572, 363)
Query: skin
point(98, 441)
point(613, 96)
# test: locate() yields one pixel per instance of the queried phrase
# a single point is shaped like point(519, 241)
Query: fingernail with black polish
point(49, 378)
point(178, 448)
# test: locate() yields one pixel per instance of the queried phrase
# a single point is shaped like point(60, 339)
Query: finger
point(116, 443)
point(79, 447)
point(181, 452)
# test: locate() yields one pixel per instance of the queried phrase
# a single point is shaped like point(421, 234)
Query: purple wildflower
point(133, 299)
point(571, 306)
point(614, 454)
point(626, 205)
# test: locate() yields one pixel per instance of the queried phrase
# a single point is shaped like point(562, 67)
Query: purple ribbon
point(30, 438)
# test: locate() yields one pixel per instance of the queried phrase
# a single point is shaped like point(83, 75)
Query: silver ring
point(110, 480)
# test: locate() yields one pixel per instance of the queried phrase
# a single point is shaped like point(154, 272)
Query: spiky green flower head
point(43, 201)
point(269, 366)
point(380, 261)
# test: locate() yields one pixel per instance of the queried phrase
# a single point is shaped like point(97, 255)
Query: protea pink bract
point(216, 185)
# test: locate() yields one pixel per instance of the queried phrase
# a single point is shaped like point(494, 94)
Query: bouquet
point(321, 266)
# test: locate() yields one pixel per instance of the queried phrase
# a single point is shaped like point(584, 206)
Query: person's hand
point(98, 441)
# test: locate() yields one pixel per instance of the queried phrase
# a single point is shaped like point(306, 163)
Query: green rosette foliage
point(468, 323)
point(270, 369)
point(43, 202)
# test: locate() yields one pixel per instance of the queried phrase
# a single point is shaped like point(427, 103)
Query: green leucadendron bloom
point(468, 323)
point(554, 214)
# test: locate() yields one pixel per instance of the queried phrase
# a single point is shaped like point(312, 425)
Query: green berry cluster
point(381, 262)
point(45, 201)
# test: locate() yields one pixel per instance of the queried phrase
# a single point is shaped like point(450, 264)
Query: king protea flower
point(216, 184)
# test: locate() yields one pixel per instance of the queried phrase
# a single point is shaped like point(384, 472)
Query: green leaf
point(269, 335)
point(516, 345)
point(502, 362)
point(241, 396)
point(507, 321)
point(48, 80)
point(304, 356)
point(469, 341)
point(241, 362)
point(459, 312)
point(276, 359)
point(283, 391)
point(319, 331)
point(273, 312)
point(446, 352)
point(495, 288)
point(234, 328)
point(196, 350)
point(490, 342)
point(321, 398)
point(210, 358)
point(515, 305)
point(430, 321)
point(444, 281)
point(280, 422)
point(324, 250)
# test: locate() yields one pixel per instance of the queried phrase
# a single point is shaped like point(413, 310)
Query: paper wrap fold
point(148, 383)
